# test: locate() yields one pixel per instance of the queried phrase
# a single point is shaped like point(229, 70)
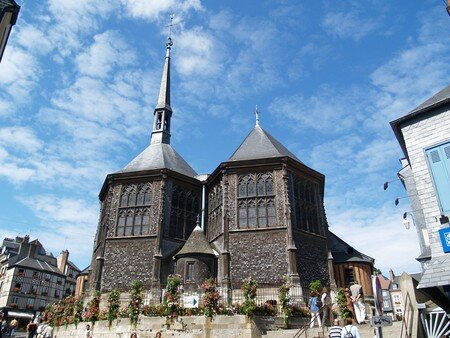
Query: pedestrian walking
point(13, 325)
point(349, 330)
point(335, 330)
point(327, 304)
point(357, 295)
point(314, 309)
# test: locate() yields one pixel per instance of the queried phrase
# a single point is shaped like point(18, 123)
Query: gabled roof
point(260, 144)
point(37, 264)
point(437, 100)
point(196, 244)
point(160, 156)
point(343, 252)
point(9, 6)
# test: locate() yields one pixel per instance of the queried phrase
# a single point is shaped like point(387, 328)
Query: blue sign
point(445, 239)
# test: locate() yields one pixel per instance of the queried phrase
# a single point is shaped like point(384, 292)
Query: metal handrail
point(306, 327)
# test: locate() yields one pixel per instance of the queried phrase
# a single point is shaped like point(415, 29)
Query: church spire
point(163, 111)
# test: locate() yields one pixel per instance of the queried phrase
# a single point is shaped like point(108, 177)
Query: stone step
point(365, 330)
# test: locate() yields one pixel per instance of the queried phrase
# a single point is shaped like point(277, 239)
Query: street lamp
point(406, 221)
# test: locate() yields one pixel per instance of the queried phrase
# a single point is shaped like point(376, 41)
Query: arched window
point(185, 206)
point(132, 219)
point(254, 193)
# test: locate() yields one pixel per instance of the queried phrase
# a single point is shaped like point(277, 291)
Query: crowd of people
point(321, 307)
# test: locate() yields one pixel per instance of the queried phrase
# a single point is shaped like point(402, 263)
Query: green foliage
point(171, 299)
point(134, 307)
point(78, 311)
point(315, 285)
point(342, 304)
point(249, 288)
point(210, 299)
point(285, 300)
point(113, 305)
point(93, 309)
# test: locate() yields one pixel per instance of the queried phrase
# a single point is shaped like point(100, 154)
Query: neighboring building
point(261, 212)
point(424, 136)
point(9, 10)
point(82, 283)
point(350, 265)
point(30, 278)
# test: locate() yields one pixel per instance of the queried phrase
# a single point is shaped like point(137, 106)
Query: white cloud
point(33, 39)
point(20, 138)
point(337, 110)
point(64, 221)
point(152, 10)
point(379, 233)
point(350, 24)
point(107, 52)
point(19, 71)
point(198, 53)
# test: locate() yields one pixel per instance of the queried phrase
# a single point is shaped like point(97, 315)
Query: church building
point(259, 214)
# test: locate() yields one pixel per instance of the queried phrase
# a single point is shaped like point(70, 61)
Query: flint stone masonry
point(258, 254)
point(311, 257)
point(126, 260)
point(237, 326)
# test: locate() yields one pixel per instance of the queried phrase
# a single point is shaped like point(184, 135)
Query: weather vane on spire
point(170, 25)
point(257, 115)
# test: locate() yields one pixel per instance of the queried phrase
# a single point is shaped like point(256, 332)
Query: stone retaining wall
point(189, 327)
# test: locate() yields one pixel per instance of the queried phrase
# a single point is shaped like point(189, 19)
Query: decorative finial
point(257, 115)
point(169, 38)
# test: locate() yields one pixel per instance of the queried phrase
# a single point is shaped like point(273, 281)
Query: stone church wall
point(127, 260)
point(258, 254)
point(311, 258)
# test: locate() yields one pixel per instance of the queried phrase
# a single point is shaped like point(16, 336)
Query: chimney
point(32, 250)
point(391, 275)
point(62, 260)
point(24, 249)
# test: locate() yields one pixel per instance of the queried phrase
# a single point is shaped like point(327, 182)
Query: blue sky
point(79, 81)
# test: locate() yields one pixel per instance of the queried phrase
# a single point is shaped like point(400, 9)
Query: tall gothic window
point(307, 210)
point(183, 215)
point(215, 211)
point(256, 201)
point(134, 210)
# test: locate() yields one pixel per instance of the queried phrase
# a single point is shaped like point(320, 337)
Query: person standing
point(88, 331)
point(314, 309)
point(31, 329)
point(14, 325)
point(349, 303)
point(335, 330)
point(350, 330)
point(48, 331)
point(327, 307)
point(357, 296)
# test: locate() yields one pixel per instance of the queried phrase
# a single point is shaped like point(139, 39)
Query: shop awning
point(18, 314)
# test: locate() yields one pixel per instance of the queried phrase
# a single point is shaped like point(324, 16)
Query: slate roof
point(73, 266)
point(160, 156)
point(9, 6)
point(196, 244)
point(440, 98)
point(37, 264)
point(437, 273)
point(343, 252)
point(437, 99)
point(260, 144)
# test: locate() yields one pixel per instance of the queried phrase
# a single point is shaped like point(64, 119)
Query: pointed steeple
point(163, 111)
point(260, 144)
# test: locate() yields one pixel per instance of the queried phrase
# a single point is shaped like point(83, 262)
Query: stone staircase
point(365, 330)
